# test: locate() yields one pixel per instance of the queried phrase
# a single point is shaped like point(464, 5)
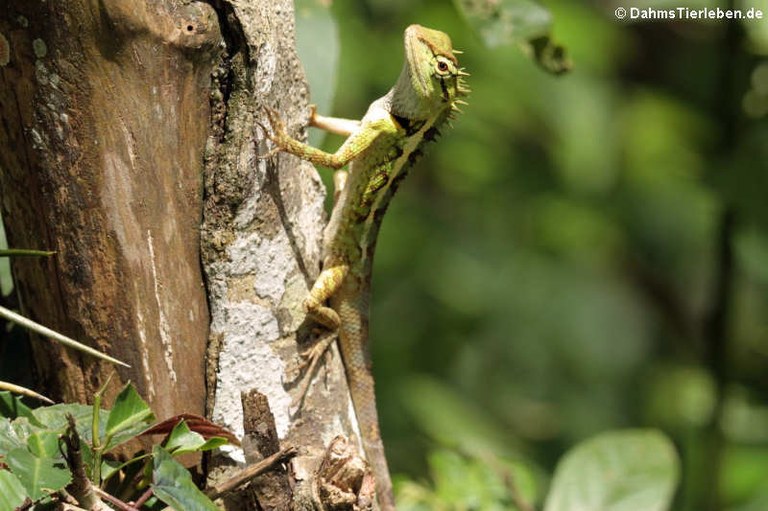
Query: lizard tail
point(363, 397)
point(357, 363)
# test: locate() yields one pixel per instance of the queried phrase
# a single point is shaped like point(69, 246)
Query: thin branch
point(114, 500)
point(144, 498)
point(249, 473)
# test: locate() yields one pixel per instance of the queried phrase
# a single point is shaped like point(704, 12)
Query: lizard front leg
point(357, 142)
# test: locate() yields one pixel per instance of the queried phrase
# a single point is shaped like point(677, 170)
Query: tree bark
point(262, 237)
point(104, 117)
point(124, 124)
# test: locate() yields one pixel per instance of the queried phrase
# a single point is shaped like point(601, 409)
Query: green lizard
point(379, 150)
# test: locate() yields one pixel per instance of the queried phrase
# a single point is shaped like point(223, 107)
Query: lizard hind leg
point(325, 286)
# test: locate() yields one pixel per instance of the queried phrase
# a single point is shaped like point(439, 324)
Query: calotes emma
point(379, 150)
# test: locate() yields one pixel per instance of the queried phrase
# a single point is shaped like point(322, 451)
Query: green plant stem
point(22, 252)
point(97, 445)
point(47, 332)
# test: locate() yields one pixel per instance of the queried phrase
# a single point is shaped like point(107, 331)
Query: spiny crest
point(462, 90)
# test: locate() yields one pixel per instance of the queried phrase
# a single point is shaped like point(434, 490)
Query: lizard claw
point(310, 359)
point(276, 134)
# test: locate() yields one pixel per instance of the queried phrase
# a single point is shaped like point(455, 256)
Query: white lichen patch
point(40, 48)
point(5, 51)
point(265, 259)
point(246, 345)
point(39, 141)
point(41, 73)
point(22, 21)
point(267, 59)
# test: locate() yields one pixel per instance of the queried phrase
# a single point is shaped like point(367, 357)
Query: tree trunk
point(124, 125)
point(262, 237)
point(104, 109)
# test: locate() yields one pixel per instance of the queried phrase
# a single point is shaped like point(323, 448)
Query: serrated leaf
point(172, 484)
point(55, 417)
point(635, 470)
point(39, 476)
point(129, 411)
point(13, 434)
point(12, 493)
point(44, 444)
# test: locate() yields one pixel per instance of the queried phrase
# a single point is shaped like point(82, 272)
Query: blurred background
point(581, 253)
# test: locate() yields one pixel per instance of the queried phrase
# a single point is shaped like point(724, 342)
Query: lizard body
point(379, 150)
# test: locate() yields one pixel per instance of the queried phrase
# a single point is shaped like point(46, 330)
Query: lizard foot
point(310, 359)
point(277, 134)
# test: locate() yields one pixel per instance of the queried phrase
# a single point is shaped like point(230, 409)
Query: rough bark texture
point(104, 113)
point(261, 241)
point(121, 121)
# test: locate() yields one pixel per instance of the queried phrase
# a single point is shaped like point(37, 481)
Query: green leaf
point(39, 476)
point(172, 484)
point(634, 470)
point(12, 435)
point(55, 418)
point(517, 22)
point(44, 444)
point(130, 412)
point(12, 493)
point(462, 482)
point(443, 415)
point(506, 21)
point(459, 480)
point(11, 406)
point(183, 440)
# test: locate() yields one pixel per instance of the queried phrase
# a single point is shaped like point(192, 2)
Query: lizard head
point(431, 81)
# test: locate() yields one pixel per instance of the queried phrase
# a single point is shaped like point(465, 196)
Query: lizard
point(379, 150)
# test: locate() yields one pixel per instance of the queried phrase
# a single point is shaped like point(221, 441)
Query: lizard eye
point(442, 67)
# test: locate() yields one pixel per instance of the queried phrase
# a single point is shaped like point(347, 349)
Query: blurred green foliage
point(554, 268)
